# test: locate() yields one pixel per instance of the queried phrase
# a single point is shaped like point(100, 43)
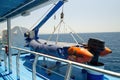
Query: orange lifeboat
point(79, 54)
point(106, 51)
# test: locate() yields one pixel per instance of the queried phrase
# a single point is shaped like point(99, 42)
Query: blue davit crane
point(32, 36)
point(53, 10)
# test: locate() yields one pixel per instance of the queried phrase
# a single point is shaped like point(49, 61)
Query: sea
point(111, 39)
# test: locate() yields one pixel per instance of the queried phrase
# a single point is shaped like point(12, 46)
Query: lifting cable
point(80, 38)
point(74, 38)
point(62, 14)
point(61, 18)
point(55, 28)
point(58, 26)
point(57, 35)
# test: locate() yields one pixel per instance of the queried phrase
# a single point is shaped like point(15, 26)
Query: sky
point(81, 15)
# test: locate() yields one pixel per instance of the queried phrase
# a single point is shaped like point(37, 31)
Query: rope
point(55, 17)
point(58, 34)
point(59, 26)
point(55, 28)
point(61, 17)
point(62, 14)
point(74, 38)
point(80, 38)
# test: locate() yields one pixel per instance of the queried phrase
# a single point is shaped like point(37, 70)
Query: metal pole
point(34, 67)
point(1, 57)
point(9, 45)
point(5, 61)
point(18, 65)
point(68, 73)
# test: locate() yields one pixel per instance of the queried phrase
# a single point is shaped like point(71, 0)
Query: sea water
point(112, 40)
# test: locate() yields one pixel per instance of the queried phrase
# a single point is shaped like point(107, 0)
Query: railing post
point(68, 72)
point(34, 67)
point(5, 61)
point(9, 45)
point(0, 55)
point(18, 65)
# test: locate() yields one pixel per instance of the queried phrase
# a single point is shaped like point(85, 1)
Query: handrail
point(115, 74)
point(67, 77)
point(34, 67)
point(18, 65)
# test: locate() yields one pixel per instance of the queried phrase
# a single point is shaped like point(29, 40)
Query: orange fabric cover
point(79, 54)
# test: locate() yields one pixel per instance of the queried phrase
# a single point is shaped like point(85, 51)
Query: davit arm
point(36, 28)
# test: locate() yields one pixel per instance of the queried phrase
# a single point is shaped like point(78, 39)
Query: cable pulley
point(62, 15)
